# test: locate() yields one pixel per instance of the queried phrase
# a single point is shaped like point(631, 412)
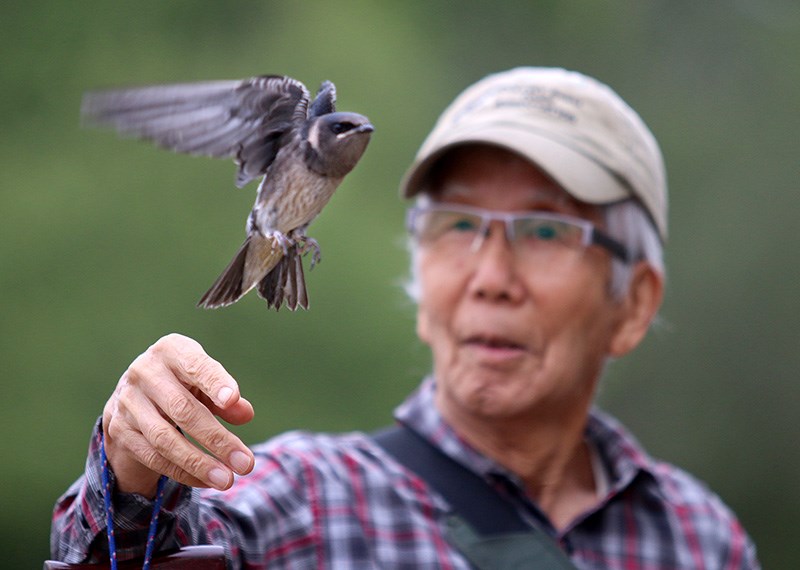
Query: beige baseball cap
point(576, 129)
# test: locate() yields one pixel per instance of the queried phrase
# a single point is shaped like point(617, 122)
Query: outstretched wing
point(244, 120)
point(324, 102)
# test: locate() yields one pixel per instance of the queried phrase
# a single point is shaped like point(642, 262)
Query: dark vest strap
point(484, 526)
point(469, 495)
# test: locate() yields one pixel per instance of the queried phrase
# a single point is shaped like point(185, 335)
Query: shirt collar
point(420, 414)
point(622, 456)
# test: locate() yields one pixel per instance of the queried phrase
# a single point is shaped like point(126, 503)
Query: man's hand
point(175, 383)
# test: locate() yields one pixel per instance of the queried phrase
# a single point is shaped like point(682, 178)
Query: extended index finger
point(190, 363)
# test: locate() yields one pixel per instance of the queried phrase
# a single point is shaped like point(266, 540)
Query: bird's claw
point(284, 241)
point(303, 243)
point(309, 243)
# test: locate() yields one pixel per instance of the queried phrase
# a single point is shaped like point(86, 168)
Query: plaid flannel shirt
point(340, 502)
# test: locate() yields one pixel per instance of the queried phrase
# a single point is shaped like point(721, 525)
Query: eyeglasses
point(464, 227)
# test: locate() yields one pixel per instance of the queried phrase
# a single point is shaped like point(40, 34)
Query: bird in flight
point(270, 127)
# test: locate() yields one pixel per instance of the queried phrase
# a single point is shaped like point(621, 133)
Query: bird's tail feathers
point(286, 283)
point(255, 258)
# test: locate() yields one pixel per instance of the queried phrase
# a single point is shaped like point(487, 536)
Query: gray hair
point(626, 222)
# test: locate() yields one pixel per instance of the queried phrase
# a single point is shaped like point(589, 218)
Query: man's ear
point(638, 308)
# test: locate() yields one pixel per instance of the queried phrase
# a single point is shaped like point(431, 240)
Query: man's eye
point(464, 225)
point(539, 230)
point(544, 232)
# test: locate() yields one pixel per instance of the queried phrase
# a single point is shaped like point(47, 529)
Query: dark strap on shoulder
point(484, 526)
point(466, 492)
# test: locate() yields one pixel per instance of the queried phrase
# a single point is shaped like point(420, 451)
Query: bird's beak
point(365, 128)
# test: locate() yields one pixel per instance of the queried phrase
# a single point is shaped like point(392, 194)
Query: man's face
point(508, 339)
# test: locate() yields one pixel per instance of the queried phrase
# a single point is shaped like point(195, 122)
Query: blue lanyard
point(109, 507)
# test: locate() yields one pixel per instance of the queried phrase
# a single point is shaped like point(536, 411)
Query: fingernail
point(224, 395)
point(219, 478)
point(240, 462)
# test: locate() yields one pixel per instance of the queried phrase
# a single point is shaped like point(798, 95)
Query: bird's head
point(339, 140)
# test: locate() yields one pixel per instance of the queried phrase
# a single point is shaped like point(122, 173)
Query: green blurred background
point(106, 244)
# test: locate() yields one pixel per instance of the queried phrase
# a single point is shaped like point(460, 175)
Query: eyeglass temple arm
point(616, 248)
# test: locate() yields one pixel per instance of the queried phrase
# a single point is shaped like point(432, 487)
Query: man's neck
point(548, 453)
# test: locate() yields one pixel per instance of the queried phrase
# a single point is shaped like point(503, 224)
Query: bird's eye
point(339, 128)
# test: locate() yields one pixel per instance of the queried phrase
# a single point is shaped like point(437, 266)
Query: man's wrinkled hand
point(175, 388)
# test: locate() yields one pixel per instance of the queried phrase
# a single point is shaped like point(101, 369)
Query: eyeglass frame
point(591, 235)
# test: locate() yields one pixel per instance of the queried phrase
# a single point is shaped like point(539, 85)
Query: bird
point(301, 148)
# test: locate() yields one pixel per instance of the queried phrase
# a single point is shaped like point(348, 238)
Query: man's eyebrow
point(548, 196)
point(453, 189)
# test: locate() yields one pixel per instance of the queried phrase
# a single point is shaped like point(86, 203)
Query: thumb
point(237, 413)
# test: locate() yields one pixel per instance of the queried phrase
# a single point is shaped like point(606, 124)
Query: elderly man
point(536, 237)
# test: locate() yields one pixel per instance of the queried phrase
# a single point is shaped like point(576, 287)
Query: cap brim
point(580, 175)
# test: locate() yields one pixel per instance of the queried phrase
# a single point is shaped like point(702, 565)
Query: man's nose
point(495, 273)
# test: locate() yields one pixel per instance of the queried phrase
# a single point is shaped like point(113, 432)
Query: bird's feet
point(307, 244)
point(302, 242)
point(283, 240)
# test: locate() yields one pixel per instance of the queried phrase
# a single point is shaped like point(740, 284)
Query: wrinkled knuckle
point(195, 365)
point(215, 441)
point(116, 424)
point(132, 374)
point(124, 393)
point(194, 464)
point(152, 459)
point(168, 340)
point(180, 409)
point(138, 371)
point(160, 437)
point(160, 348)
point(114, 429)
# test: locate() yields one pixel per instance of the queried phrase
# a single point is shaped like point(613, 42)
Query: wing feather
point(245, 120)
point(324, 101)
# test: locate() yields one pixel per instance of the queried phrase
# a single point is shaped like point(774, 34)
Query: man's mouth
point(494, 342)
